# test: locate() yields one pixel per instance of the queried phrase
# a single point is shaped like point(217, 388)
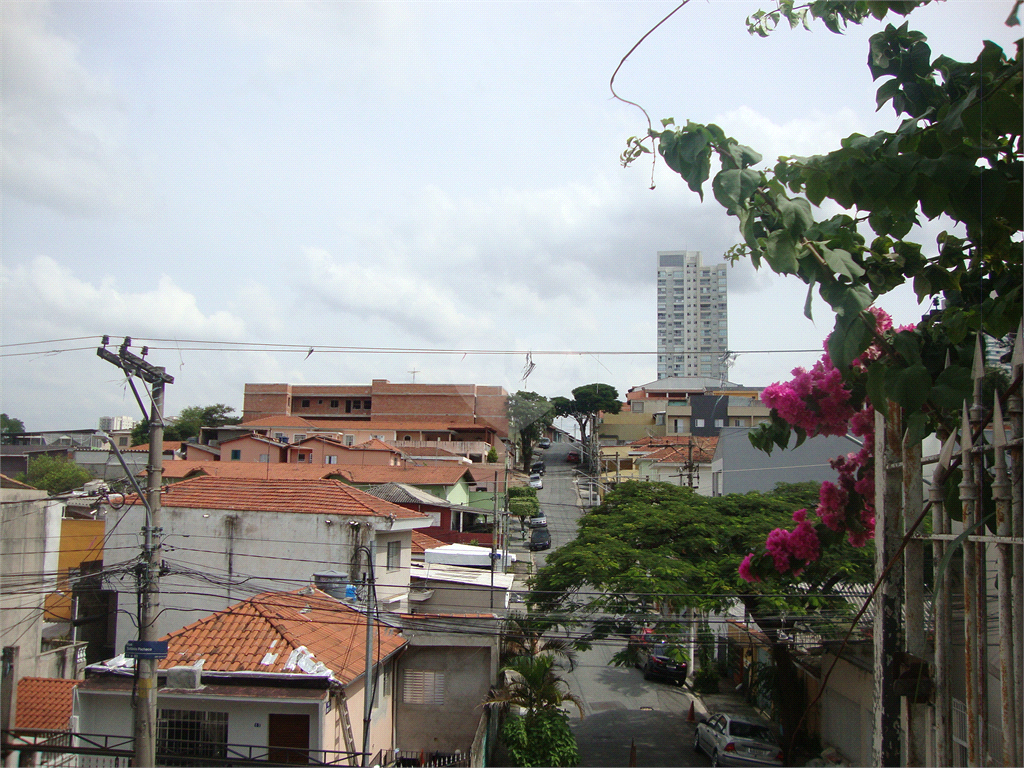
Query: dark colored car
point(572, 457)
point(537, 468)
point(658, 658)
point(540, 538)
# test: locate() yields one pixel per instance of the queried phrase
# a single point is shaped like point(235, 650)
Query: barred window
point(394, 555)
point(423, 687)
point(186, 735)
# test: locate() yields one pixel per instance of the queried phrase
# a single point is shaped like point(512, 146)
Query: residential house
point(29, 555)
point(199, 452)
point(449, 483)
point(450, 523)
point(224, 537)
point(739, 467)
point(325, 450)
point(43, 721)
point(439, 588)
point(279, 677)
point(682, 406)
point(679, 460)
point(253, 448)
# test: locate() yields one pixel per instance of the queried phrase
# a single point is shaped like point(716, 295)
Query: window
point(394, 555)
point(264, 458)
point(330, 459)
point(698, 423)
point(305, 403)
point(366, 405)
point(301, 458)
point(334, 403)
point(423, 687)
point(187, 734)
point(236, 454)
point(122, 441)
point(719, 423)
point(350, 439)
point(636, 406)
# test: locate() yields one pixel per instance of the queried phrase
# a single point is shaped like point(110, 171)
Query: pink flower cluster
point(816, 400)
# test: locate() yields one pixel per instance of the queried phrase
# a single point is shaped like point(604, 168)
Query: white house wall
point(228, 556)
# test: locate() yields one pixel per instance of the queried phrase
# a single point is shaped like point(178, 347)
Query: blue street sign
point(146, 649)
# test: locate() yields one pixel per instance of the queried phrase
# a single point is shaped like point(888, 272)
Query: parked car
point(537, 468)
point(544, 442)
point(731, 740)
point(538, 520)
point(658, 658)
point(540, 538)
point(572, 457)
point(535, 481)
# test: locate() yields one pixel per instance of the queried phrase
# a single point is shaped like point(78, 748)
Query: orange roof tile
point(703, 451)
point(44, 703)
point(378, 475)
point(172, 445)
point(376, 444)
point(422, 542)
point(313, 496)
point(266, 634)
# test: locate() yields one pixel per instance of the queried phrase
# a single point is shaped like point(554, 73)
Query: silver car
point(730, 740)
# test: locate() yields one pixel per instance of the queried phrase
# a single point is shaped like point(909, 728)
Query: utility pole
point(370, 681)
point(148, 570)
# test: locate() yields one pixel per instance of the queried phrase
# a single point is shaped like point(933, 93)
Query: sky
point(424, 191)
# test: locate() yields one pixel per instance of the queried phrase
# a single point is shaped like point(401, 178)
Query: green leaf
point(807, 301)
point(796, 214)
point(876, 383)
point(849, 338)
point(733, 188)
point(910, 386)
point(952, 387)
point(780, 253)
point(816, 187)
point(917, 427)
point(842, 262)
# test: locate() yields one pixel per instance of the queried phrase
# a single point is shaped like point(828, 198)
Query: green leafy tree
point(54, 475)
point(655, 550)
point(542, 735)
point(9, 427)
point(957, 154)
point(541, 738)
point(529, 414)
point(587, 401)
point(189, 423)
point(525, 636)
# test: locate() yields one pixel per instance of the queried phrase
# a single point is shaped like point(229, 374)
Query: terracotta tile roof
point(249, 470)
point(421, 542)
point(321, 497)
point(703, 452)
point(378, 475)
point(172, 445)
point(659, 442)
point(44, 703)
point(376, 444)
point(10, 482)
point(252, 436)
point(276, 421)
point(268, 632)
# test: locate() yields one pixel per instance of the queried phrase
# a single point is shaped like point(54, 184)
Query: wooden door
point(289, 739)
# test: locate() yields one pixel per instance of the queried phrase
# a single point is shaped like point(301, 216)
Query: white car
point(544, 442)
point(536, 482)
point(730, 740)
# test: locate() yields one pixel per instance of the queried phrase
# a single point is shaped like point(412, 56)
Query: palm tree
point(524, 636)
point(531, 682)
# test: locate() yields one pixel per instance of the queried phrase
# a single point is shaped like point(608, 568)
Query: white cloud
point(65, 305)
point(62, 134)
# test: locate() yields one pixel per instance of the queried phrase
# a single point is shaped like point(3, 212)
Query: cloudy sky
point(219, 180)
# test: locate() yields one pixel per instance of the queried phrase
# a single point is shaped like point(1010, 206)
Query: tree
point(587, 401)
point(654, 550)
point(524, 636)
point(54, 475)
point(189, 423)
point(529, 414)
point(542, 735)
point(9, 427)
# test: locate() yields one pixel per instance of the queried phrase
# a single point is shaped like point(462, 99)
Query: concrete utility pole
point(148, 570)
point(370, 680)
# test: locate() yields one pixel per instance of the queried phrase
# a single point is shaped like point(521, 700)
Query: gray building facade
point(693, 316)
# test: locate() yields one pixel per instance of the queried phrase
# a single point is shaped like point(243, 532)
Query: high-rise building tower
point(693, 316)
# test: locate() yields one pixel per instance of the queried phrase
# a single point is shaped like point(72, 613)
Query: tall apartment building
point(693, 316)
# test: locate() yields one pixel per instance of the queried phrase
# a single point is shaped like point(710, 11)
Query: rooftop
point(44, 703)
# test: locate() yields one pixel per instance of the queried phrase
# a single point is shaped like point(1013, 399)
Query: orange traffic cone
point(690, 717)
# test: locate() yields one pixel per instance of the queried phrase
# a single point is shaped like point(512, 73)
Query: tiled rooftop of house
point(328, 497)
point(251, 470)
point(703, 451)
point(421, 542)
point(172, 445)
point(376, 444)
point(44, 703)
point(266, 634)
point(378, 475)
